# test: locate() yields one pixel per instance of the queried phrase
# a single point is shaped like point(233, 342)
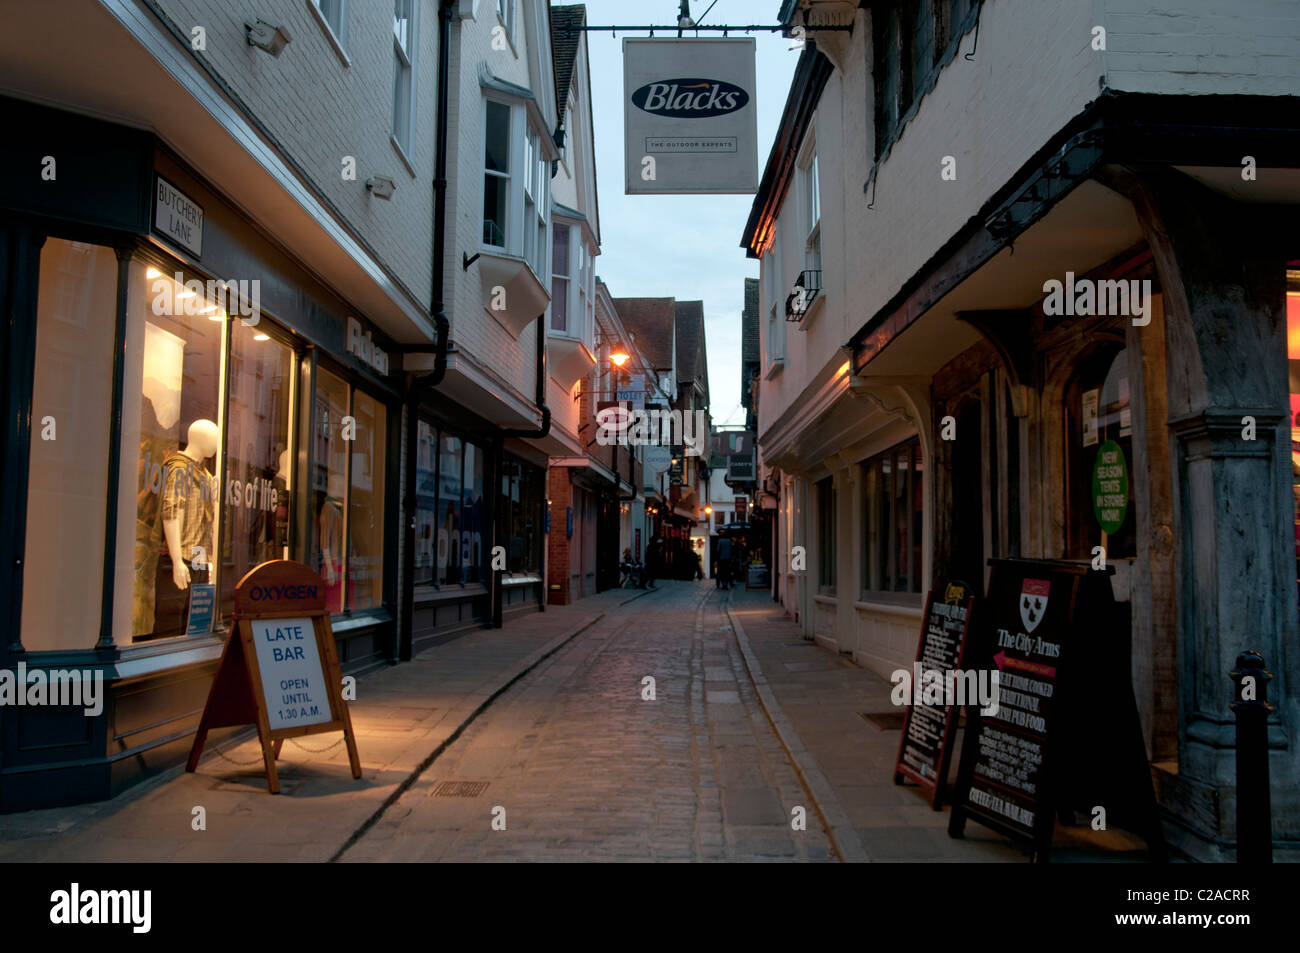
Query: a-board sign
point(279, 670)
point(757, 577)
point(925, 748)
point(1066, 736)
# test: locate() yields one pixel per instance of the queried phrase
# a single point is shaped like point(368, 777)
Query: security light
point(381, 186)
point(266, 36)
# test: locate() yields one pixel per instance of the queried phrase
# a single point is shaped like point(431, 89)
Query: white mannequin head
point(202, 440)
point(282, 468)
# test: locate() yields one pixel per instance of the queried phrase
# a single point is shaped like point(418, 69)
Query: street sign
point(279, 670)
point(689, 116)
point(925, 748)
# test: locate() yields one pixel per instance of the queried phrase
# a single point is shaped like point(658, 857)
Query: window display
point(255, 504)
point(893, 509)
point(172, 420)
point(450, 461)
point(450, 515)
point(366, 504)
point(329, 485)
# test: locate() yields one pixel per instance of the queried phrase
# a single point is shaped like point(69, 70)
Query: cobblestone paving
point(585, 768)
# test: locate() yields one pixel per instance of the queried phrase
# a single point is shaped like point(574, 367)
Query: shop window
point(473, 515)
point(1293, 363)
point(255, 499)
point(329, 481)
point(521, 492)
point(893, 509)
point(170, 426)
point(451, 509)
point(366, 504)
point(71, 401)
point(1099, 458)
point(426, 495)
point(826, 536)
point(451, 459)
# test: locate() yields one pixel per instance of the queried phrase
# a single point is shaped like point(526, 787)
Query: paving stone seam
point(847, 844)
point(529, 663)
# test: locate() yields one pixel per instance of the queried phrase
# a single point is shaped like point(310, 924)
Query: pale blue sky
point(682, 246)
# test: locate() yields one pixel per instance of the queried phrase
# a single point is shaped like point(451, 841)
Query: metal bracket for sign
point(761, 28)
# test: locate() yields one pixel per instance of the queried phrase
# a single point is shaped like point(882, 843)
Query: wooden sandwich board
point(925, 748)
point(281, 650)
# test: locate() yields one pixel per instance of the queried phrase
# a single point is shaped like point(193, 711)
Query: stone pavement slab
point(818, 697)
point(401, 715)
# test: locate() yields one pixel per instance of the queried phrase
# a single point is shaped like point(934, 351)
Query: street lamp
point(620, 357)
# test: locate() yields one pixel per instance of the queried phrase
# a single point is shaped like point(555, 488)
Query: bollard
point(1254, 808)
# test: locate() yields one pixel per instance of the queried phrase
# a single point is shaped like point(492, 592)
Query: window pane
point(366, 504)
point(450, 461)
point(472, 519)
point(329, 484)
point(255, 499)
point(497, 158)
point(902, 521)
point(401, 101)
point(426, 501)
point(495, 193)
point(174, 352)
point(68, 475)
point(559, 304)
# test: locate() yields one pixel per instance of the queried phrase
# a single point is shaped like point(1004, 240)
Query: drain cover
point(884, 720)
point(460, 788)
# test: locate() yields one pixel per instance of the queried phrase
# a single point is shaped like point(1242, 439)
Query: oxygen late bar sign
point(689, 116)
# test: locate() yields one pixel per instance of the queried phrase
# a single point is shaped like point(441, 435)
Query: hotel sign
point(177, 217)
point(689, 116)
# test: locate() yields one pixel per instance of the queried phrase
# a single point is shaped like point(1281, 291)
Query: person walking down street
point(631, 569)
point(699, 566)
point(724, 563)
point(654, 555)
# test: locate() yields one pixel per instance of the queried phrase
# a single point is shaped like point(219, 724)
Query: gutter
point(425, 384)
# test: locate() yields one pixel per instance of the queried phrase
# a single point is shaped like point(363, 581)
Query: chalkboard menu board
point(1065, 733)
point(757, 578)
point(925, 748)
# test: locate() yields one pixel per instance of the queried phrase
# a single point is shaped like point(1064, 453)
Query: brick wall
point(560, 493)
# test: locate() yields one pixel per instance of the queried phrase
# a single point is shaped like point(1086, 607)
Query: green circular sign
point(1110, 486)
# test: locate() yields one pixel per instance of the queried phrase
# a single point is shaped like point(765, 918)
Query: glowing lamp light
point(620, 358)
point(153, 273)
point(708, 511)
point(261, 337)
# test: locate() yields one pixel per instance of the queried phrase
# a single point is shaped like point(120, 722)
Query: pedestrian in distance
point(653, 562)
point(724, 563)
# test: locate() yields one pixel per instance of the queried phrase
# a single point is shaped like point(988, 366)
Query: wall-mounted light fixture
point(381, 187)
point(266, 36)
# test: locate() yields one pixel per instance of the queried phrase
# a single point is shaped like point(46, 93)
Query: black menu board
point(925, 748)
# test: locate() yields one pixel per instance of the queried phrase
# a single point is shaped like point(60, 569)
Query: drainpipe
point(425, 384)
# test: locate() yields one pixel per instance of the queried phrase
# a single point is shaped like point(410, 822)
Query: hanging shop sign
point(658, 458)
point(279, 670)
point(689, 116)
point(1065, 737)
point(177, 217)
point(1110, 487)
point(925, 749)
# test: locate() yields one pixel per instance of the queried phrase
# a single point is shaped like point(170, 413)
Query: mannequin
point(188, 515)
point(282, 506)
